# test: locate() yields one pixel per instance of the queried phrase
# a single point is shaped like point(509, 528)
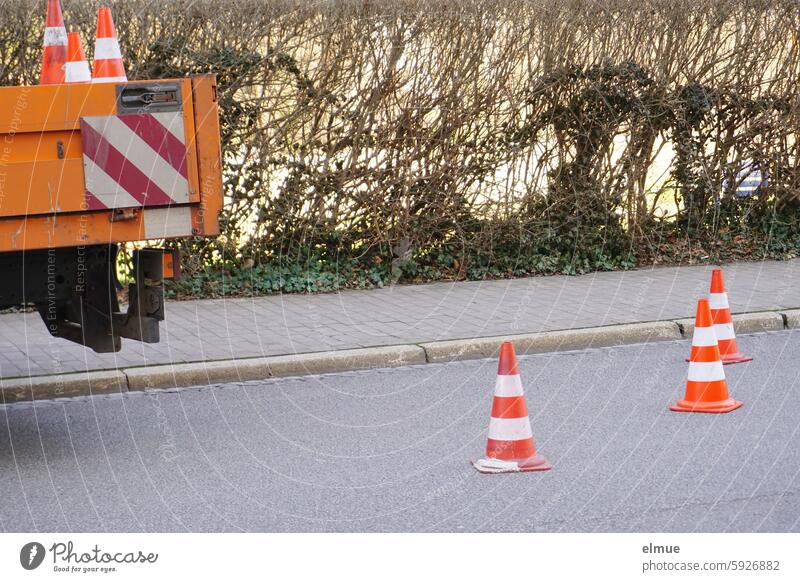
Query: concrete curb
point(345, 360)
point(743, 323)
point(536, 343)
point(62, 386)
point(165, 376)
point(792, 318)
point(180, 375)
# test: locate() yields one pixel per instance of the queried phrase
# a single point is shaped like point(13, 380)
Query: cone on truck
point(510, 447)
point(706, 387)
point(54, 57)
point(723, 323)
point(108, 66)
point(77, 67)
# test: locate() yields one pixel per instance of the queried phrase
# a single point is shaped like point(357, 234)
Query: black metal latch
point(148, 97)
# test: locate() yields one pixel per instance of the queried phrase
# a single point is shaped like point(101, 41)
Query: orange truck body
point(87, 166)
point(43, 194)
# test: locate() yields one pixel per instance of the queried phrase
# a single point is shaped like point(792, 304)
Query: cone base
point(734, 358)
point(710, 407)
point(490, 465)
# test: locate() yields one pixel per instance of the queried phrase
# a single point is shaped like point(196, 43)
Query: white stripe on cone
point(724, 331)
point(510, 429)
point(77, 72)
point(718, 301)
point(109, 80)
point(106, 49)
point(55, 36)
point(508, 386)
point(706, 371)
point(704, 336)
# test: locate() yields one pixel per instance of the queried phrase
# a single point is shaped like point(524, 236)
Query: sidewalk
point(223, 329)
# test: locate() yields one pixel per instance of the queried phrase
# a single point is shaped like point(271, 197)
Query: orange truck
point(85, 167)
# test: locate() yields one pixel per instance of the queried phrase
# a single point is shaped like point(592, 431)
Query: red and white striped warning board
point(134, 160)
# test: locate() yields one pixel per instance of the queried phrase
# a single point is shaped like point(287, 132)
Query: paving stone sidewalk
point(220, 329)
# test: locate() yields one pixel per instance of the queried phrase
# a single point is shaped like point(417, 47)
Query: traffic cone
point(55, 46)
point(510, 447)
point(723, 324)
point(108, 67)
point(77, 68)
point(706, 388)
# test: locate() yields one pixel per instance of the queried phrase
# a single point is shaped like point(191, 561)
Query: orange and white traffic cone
point(108, 66)
point(706, 388)
point(55, 46)
point(723, 324)
point(510, 447)
point(77, 67)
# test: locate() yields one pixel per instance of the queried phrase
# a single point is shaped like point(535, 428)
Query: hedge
point(369, 142)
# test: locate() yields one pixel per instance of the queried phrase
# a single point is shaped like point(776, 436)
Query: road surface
point(388, 450)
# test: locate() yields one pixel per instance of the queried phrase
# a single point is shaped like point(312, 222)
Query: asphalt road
point(388, 450)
